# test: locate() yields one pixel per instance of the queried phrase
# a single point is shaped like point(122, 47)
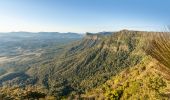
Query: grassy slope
point(144, 81)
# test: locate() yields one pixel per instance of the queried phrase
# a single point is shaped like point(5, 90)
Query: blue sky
point(83, 15)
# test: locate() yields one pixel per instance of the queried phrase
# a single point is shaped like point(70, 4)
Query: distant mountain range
point(39, 35)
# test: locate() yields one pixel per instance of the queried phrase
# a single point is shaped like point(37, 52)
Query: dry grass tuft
point(159, 47)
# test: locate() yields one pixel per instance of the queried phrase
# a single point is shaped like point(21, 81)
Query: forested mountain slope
point(91, 62)
point(126, 62)
point(148, 80)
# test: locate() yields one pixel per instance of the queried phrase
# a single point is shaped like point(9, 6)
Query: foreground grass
point(159, 48)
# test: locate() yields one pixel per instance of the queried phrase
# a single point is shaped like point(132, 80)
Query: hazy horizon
point(163, 30)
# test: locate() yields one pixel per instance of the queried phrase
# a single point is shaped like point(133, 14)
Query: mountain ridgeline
point(112, 65)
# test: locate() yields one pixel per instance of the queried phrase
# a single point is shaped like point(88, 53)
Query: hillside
point(148, 80)
point(119, 65)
